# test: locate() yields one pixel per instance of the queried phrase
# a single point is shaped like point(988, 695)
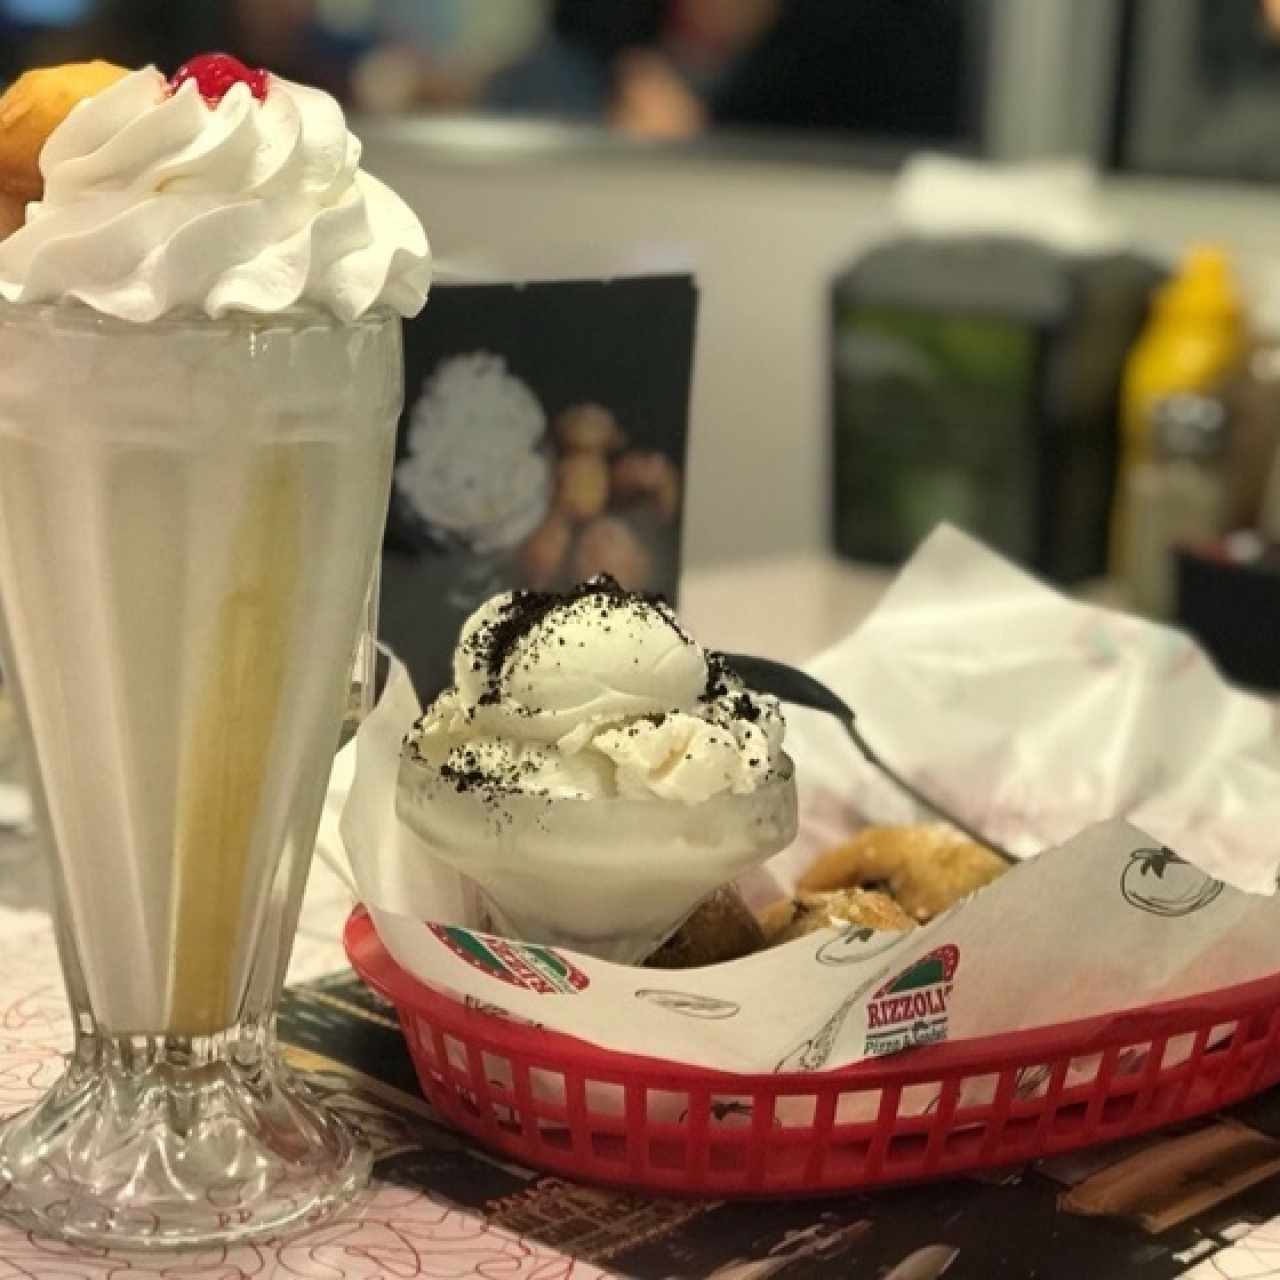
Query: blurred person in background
point(39, 31)
point(672, 68)
point(891, 68)
point(272, 33)
point(653, 68)
point(503, 55)
point(396, 54)
point(665, 91)
point(280, 34)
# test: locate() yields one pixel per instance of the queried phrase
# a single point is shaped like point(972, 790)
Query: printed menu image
point(543, 442)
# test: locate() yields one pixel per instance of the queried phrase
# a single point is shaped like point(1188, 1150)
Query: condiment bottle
point(1192, 341)
point(1179, 495)
point(1255, 409)
point(1269, 516)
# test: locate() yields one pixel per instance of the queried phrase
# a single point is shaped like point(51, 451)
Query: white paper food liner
point(1044, 721)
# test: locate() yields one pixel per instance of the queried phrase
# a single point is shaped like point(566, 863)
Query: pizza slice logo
point(912, 1008)
point(518, 964)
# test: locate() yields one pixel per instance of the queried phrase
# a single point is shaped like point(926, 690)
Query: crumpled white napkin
point(1053, 203)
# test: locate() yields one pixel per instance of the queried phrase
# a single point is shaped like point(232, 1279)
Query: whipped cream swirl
point(157, 201)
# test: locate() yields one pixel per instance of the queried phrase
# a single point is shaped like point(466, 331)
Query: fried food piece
point(814, 911)
point(608, 545)
point(544, 551)
point(589, 428)
point(32, 108)
point(777, 917)
point(650, 479)
point(721, 929)
point(13, 213)
point(582, 486)
point(925, 868)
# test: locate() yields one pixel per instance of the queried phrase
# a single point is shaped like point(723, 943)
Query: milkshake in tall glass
point(200, 377)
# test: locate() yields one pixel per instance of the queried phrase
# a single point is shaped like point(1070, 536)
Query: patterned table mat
point(1197, 1204)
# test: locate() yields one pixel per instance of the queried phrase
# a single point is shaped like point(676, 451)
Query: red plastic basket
point(556, 1103)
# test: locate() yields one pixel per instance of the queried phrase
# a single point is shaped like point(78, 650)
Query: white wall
point(767, 239)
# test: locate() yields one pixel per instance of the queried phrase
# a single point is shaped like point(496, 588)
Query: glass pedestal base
point(173, 1142)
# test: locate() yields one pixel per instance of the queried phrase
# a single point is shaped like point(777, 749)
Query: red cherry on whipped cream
point(215, 73)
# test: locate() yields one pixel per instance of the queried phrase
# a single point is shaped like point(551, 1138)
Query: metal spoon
point(792, 685)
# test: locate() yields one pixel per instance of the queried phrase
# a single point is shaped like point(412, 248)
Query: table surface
point(789, 609)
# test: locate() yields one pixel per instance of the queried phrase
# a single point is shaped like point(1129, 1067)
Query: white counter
point(767, 237)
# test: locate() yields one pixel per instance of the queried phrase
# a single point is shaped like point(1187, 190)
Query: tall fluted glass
point(190, 514)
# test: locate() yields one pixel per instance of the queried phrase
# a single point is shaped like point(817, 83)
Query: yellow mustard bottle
point(1192, 342)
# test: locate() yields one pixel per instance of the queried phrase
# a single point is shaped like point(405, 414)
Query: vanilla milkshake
point(200, 378)
point(595, 770)
point(185, 596)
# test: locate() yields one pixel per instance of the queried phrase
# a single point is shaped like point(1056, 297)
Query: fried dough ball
point(589, 428)
point(32, 108)
point(544, 551)
point(607, 545)
point(582, 486)
point(871, 910)
point(926, 868)
point(650, 479)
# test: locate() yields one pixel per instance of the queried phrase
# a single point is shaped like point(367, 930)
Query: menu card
point(543, 441)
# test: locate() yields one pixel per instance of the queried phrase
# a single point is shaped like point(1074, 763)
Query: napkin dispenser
point(975, 380)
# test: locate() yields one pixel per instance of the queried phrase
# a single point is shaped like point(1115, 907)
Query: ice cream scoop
point(595, 770)
point(595, 693)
